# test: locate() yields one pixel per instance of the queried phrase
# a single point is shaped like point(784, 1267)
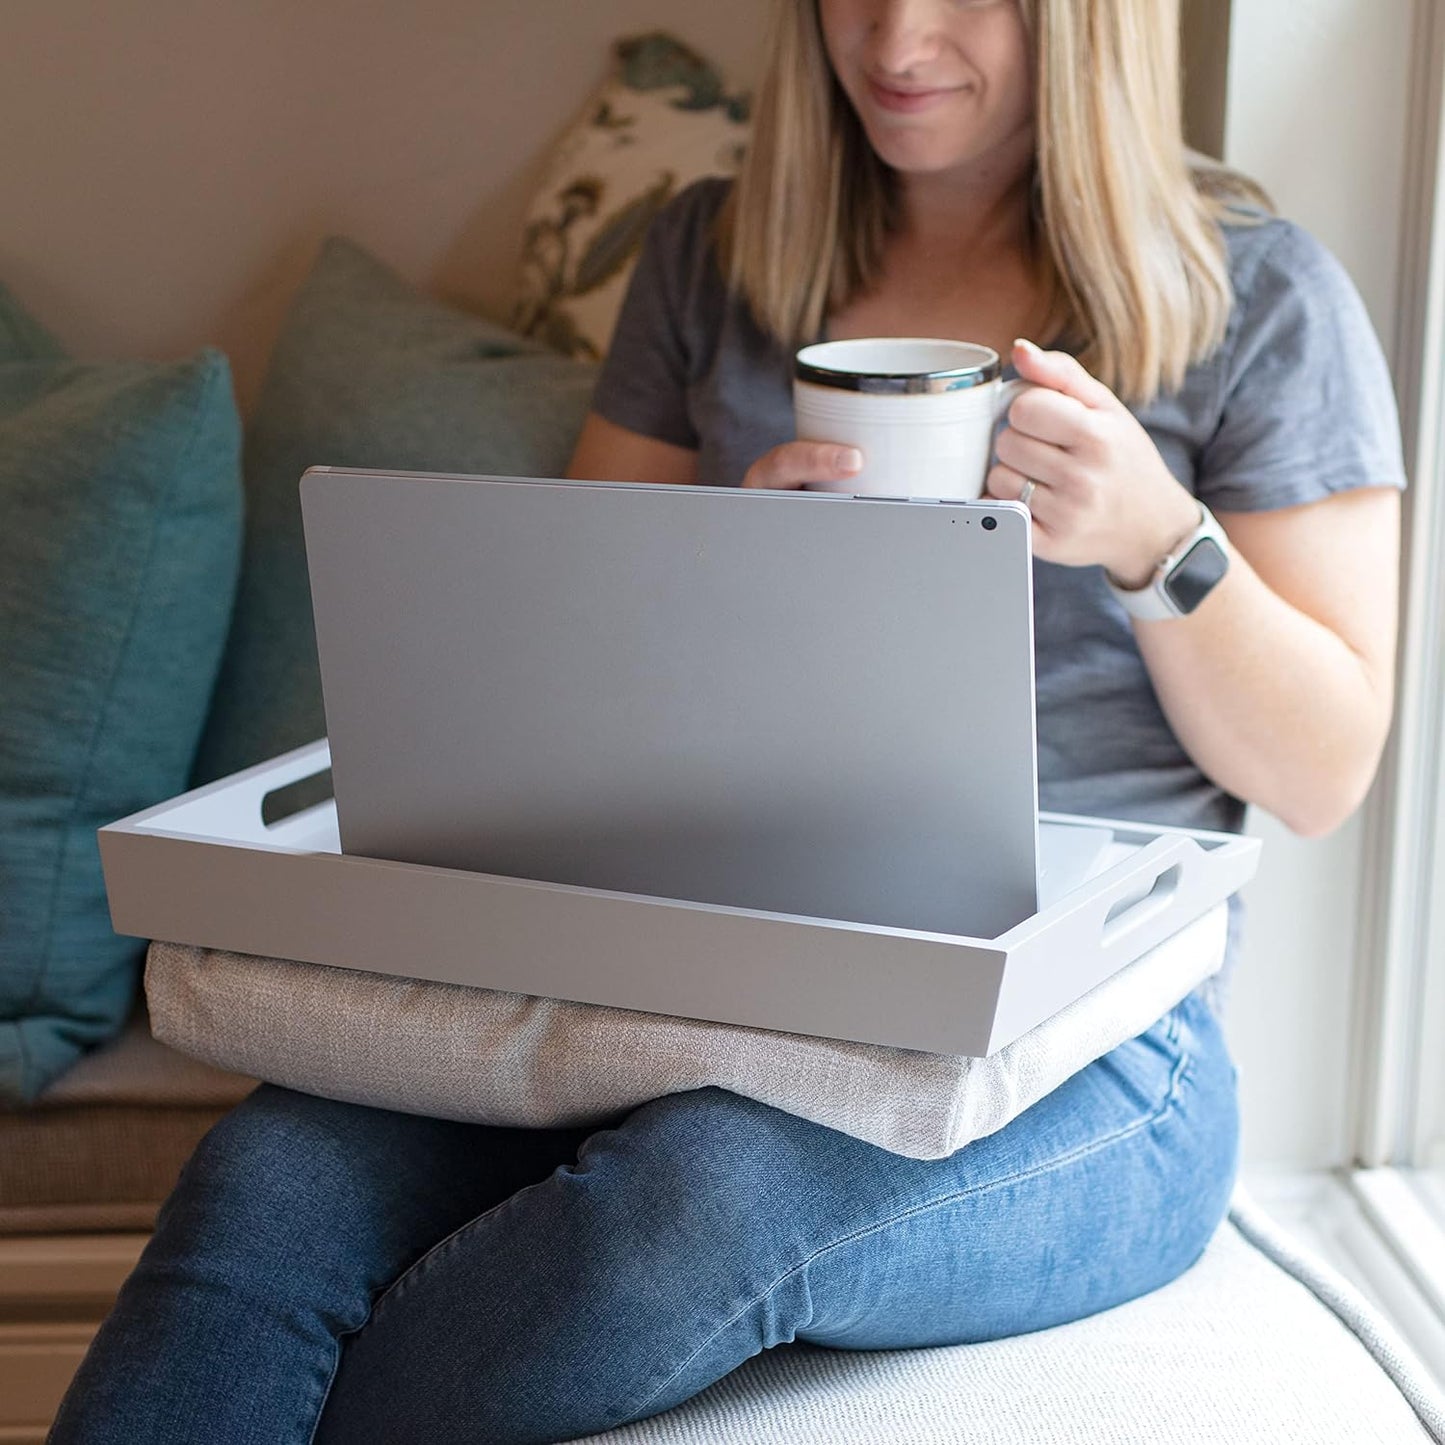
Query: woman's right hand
point(795, 464)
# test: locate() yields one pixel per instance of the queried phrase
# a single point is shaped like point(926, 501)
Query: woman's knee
point(713, 1161)
point(270, 1152)
point(273, 1187)
point(723, 1196)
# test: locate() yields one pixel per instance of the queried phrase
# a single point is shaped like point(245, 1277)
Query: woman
point(974, 168)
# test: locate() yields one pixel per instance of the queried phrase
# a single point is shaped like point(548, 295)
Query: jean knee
point(710, 1145)
point(261, 1185)
point(709, 1174)
point(702, 1221)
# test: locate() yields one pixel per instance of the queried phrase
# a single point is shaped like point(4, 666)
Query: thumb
point(791, 464)
point(1060, 372)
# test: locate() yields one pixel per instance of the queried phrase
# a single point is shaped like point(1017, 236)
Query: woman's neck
point(960, 263)
point(986, 212)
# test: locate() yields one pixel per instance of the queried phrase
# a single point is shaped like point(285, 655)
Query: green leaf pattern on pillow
point(620, 238)
point(663, 120)
point(658, 62)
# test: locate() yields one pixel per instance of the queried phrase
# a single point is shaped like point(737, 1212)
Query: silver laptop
point(805, 703)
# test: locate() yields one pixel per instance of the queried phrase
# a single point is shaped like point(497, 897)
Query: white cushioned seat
point(1256, 1345)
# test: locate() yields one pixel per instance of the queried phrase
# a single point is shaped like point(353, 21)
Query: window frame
point(1400, 919)
point(1398, 1124)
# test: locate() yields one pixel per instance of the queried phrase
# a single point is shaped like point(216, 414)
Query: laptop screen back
point(796, 702)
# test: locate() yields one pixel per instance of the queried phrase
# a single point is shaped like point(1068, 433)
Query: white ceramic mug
point(922, 411)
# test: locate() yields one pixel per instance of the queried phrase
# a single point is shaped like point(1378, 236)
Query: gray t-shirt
point(1294, 406)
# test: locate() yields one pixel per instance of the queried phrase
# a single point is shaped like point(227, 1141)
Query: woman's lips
point(904, 102)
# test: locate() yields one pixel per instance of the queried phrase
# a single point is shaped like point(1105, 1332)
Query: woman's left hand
point(1102, 494)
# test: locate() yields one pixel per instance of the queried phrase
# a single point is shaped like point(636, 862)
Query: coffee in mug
point(922, 411)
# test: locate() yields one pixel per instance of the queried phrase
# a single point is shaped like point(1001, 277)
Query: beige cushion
point(513, 1059)
point(663, 119)
point(1256, 1345)
point(103, 1145)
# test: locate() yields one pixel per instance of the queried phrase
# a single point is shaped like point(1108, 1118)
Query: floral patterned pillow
point(663, 120)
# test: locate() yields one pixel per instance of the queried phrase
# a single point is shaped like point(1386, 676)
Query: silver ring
point(1027, 490)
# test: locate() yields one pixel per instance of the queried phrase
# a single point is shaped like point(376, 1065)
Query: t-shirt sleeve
point(643, 385)
point(1308, 409)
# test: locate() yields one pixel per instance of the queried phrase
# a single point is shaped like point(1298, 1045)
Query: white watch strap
point(1148, 603)
point(1151, 602)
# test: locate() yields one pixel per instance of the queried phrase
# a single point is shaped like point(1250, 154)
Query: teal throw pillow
point(367, 373)
point(120, 524)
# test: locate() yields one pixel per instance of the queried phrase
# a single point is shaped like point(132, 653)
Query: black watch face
point(1192, 579)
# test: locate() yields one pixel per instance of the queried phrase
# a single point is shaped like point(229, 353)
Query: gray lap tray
point(205, 869)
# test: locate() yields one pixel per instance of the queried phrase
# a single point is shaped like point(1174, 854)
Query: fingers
point(1040, 460)
point(793, 464)
point(1007, 484)
point(1060, 372)
point(1052, 417)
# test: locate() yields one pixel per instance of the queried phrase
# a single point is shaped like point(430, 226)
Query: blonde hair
point(1125, 220)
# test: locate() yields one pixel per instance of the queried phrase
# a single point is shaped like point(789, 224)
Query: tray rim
point(316, 756)
point(943, 993)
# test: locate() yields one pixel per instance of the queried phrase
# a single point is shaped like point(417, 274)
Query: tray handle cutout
point(1133, 910)
point(263, 805)
point(295, 797)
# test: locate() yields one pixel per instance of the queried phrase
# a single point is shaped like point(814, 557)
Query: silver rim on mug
point(900, 383)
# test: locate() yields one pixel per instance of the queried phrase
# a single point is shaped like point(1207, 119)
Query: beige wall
point(169, 166)
point(1205, 42)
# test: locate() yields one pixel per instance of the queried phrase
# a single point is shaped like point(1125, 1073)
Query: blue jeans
point(334, 1273)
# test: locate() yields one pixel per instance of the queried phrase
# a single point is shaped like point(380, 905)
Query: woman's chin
point(913, 151)
point(920, 159)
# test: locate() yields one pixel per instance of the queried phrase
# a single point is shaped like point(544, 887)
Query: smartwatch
point(1183, 579)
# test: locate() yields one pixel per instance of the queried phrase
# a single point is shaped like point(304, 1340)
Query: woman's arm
point(606, 452)
point(1280, 684)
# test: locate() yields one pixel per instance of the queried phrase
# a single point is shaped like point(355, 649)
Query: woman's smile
point(908, 99)
point(937, 89)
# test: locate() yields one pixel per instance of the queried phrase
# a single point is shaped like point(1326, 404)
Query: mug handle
point(1008, 393)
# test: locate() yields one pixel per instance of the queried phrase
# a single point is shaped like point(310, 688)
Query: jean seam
point(439, 1247)
point(1176, 1077)
point(332, 1373)
point(381, 1298)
